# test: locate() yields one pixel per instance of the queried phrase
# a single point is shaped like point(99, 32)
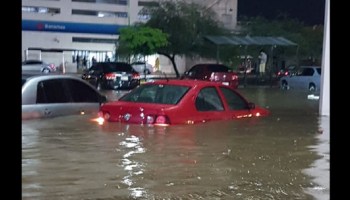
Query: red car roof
point(185, 82)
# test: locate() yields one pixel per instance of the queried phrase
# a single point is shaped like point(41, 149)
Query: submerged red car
point(170, 102)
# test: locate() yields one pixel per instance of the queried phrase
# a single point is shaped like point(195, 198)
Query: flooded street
point(283, 156)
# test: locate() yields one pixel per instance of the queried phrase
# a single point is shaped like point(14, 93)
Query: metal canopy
point(248, 40)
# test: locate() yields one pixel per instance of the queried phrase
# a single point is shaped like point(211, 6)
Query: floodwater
point(283, 156)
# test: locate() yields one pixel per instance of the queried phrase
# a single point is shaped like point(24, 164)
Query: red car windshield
point(156, 93)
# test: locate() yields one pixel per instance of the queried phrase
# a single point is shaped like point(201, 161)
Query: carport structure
point(245, 41)
point(249, 41)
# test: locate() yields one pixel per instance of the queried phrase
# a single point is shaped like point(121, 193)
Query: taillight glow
point(234, 77)
point(136, 76)
point(110, 76)
point(161, 120)
point(214, 77)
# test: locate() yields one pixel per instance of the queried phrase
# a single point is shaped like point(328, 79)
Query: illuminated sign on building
point(33, 25)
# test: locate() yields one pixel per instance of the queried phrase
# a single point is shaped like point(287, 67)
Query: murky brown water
point(284, 156)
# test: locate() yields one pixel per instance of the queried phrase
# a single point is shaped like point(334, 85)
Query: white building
point(57, 31)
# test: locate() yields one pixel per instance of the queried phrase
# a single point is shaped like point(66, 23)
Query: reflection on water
point(133, 167)
point(320, 167)
point(283, 156)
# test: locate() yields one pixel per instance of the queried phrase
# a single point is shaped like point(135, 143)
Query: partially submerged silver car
point(305, 78)
point(55, 95)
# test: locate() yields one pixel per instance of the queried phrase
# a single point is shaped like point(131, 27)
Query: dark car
point(51, 95)
point(171, 102)
point(112, 75)
point(213, 72)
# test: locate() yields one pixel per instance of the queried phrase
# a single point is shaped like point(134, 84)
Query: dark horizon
point(311, 12)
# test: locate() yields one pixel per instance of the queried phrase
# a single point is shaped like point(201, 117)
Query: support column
point(324, 107)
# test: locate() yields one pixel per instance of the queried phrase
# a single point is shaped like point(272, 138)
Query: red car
point(286, 71)
point(170, 102)
point(213, 72)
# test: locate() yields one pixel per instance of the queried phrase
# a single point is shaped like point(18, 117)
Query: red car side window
point(208, 100)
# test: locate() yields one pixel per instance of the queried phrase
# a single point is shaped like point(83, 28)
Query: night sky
point(311, 12)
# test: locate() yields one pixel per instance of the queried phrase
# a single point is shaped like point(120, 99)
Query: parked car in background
point(249, 70)
point(55, 95)
point(142, 67)
point(112, 75)
point(305, 77)
point(170, 102)
point(286, 71)
point(246, 66)
point(38, 66)
point(213, 72)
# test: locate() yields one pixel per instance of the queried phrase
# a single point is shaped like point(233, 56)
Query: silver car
point(54, 95)
point(38, 66)
point(306, 77)
point(142, 67)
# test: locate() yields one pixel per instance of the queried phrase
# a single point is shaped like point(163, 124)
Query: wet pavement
point(283, 156)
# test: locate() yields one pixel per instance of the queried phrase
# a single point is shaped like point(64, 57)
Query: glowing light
point(99, 120)
point(257, 114)
point(161, 120)
point(150, 119)
point(190, 122)
point(161, 124)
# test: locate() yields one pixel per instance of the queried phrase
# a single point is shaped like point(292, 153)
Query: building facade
point(72, 31)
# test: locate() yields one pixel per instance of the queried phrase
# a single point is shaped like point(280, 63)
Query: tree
point(186, 24)
point(142, 40)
